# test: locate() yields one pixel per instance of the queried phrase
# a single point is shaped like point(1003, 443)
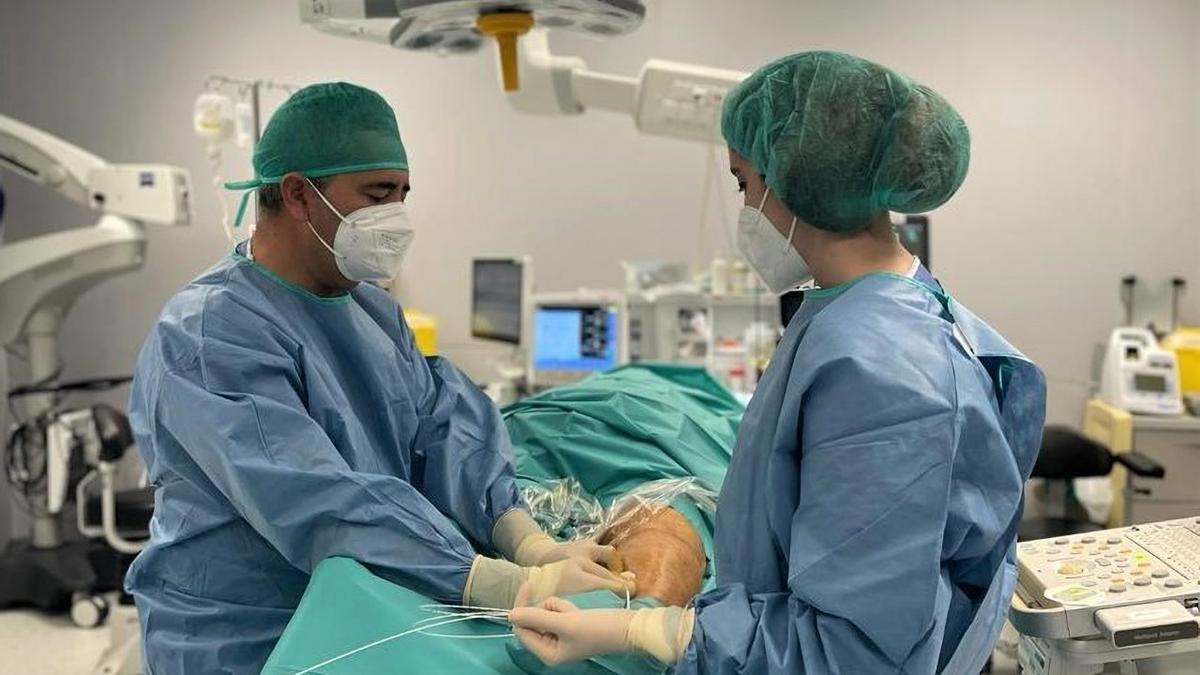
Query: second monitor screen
point(575, 338)
point(496, 300)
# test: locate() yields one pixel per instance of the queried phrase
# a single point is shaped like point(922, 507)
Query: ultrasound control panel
point(1064, 582)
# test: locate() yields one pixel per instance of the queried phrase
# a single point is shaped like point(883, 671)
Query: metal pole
point(1128, 288)
point(1177, 286)
point(256, 105)
point(42, 334)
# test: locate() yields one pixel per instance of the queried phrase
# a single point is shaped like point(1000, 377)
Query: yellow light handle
point(506, 27)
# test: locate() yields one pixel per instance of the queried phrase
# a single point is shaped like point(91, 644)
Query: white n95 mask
point(371, 242)
point(771, 255)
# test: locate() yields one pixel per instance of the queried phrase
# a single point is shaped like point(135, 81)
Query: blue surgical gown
point(281, 428)
point(868, 519)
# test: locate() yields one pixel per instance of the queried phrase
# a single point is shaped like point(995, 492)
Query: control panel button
point(1173, 583)
point(1142, 581)
point(1089, 540)
point(1160, 574)
point(1116, 588)
point(1062, 540)
point(1113, 540)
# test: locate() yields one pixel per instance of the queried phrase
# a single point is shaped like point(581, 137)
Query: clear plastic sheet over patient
point(563, 509)
point(568, 513)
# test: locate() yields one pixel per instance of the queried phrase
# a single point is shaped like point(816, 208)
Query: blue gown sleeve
point(865, 590)
point(463, 456)
point(237, 412)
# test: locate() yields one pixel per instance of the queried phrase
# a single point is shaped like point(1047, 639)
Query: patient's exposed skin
point(662, 548)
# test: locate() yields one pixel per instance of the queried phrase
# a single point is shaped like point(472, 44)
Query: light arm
point(676, 100)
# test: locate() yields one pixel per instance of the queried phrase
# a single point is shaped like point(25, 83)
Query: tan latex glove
point(518, 538)
point(558, 632)
point(540, 549)
point(494, 583)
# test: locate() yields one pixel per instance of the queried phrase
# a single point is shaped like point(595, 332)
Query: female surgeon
point(868, 519)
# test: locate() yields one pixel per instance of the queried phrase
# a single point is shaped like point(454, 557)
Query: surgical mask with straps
point(771, 255)
point(370, 242)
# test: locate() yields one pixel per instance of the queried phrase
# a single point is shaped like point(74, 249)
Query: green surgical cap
point(840, 139)
point(322, 130)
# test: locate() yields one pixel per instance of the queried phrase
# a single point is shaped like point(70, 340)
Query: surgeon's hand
point(495, 583)
point(544, 552)
point(518, 538)
point(574, 575)
point(558, 632)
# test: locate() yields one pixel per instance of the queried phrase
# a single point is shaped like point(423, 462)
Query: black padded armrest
point(134, 508)
point(1067, 454)
point(1140, 465)
point(115, 434)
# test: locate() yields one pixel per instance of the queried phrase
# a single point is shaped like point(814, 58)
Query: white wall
point(1085, 116)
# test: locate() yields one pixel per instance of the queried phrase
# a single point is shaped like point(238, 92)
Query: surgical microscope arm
point(46, 160)
point(41, 277)
point(145, 192)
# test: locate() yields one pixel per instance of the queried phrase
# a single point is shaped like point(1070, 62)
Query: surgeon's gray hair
point(270, 197)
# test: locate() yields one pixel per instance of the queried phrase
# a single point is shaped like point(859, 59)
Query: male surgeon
point(286, 416)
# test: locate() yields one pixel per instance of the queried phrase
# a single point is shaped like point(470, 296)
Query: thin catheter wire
point(497, 636)
point(433, 606)
point(380, 641)
point(491, 614)
point(423, 627)
point(473, 615)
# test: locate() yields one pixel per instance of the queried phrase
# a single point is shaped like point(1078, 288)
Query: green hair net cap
point(323, 130)
point(840, 139)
